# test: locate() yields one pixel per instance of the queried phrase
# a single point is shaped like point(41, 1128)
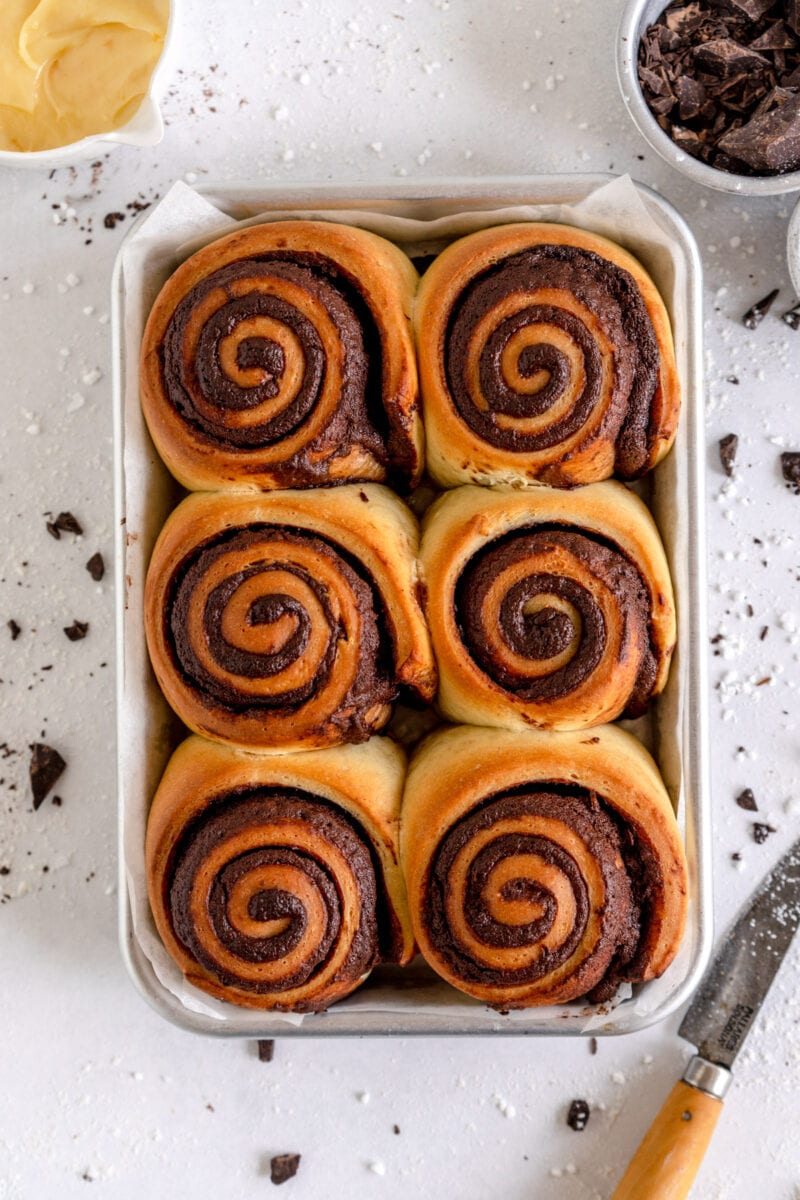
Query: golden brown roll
point(288, 620)
point(541, 867)
point(274, 879)
point(281, 356)
point(545, 355)
point(547, 608)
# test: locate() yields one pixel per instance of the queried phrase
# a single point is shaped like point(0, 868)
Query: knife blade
point(735, 985)
point(717, 1022)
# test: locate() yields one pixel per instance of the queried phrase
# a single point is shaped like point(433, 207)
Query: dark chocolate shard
point(761, 832)
point(769, 141)
point(77, 631)
point(791, 14)
point(790, 466)
point(283, 1167)
point(14, 629)
point(747, 800)
point(96, 567)
point(754, 9)
point(727, 452)
point(776, 37)
point(755, 315)
point(578, 1115)
point(46, 767)
point(691, 96)
point(726, 58)
point(67, 523)
point(266, 1049)
point(792, 317)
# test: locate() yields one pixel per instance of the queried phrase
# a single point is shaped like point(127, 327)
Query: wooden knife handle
point(670, 1154)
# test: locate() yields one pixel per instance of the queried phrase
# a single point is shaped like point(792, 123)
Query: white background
point(98, 1094)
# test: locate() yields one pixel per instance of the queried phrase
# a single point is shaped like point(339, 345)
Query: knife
point(717, 1023)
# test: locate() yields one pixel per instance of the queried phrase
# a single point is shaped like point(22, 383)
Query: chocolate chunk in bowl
point(715, 89)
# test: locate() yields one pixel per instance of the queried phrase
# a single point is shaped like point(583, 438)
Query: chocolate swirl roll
point(546, 608)
point(290, 620)
point(281, 356)
point(274, 880)
point(541, 867)
point(545, 355)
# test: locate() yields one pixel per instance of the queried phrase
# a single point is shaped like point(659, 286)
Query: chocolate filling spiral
point(541, 886)
point(537, 609)
point(545, 342)
point(272, 347)
point(267, 619)
point(272, 890)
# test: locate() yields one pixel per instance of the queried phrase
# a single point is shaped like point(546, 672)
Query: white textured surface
point(98, 1092)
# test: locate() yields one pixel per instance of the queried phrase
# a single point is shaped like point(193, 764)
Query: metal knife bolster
point(707, 1077)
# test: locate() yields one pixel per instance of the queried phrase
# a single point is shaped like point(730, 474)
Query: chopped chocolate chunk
point(266, 1049)
point(747, 800)
point(725, 57)
point(65, 522)
point(15, 629)
point(578, 1115)
point(727, 452)
point(754, 9)
point(792, 317)
point(761, 832)
point(770, 141)
point(46, 766)
point(96, 567)
point(77, 630)
point(791, 12)
point(775, 37)
point(790, 466)
point(755, 315)
point(691, 96)
point(721, 78)
point(395, 1129)
point(283, 1167)
point(112, 219)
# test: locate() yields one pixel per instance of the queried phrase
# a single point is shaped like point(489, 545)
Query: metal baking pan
point(676, 731)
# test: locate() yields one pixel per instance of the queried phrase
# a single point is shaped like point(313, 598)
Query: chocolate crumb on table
point(722, 80)
point(266, 1049)
point(747, 800)
point(14, 629)
point(283, 1167)
point(46, 767)
point(112, 219)
point(65, 522)
point(77, 631)
point(755, 315)
point(96, 567)
point(792, 317)
point(761, 832)
point(578, 1115)
point(728, 446)
point(790, 466)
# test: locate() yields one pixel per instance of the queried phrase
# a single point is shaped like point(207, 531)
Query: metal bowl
point(636, 16)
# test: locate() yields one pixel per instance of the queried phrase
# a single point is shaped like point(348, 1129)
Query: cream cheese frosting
point(73, 68)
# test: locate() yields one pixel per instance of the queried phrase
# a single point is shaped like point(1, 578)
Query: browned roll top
point(240, 387)
point(513, 893)
point(529, 613)
point(526, 377)
point(267, 618)
point(275, 891)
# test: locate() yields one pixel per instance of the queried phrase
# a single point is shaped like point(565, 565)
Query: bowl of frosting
point(75, 74)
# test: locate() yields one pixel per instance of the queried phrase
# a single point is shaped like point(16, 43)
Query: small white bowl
point(793, 249)
point(145, 128)
point(636, 16)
